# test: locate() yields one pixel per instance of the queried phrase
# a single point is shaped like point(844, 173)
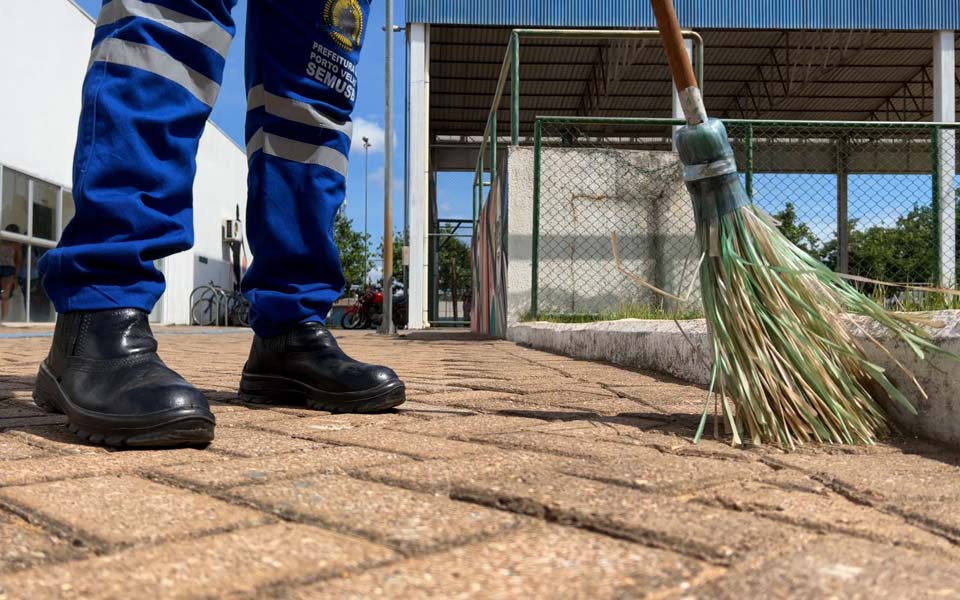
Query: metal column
point(944, 110)
point(843, 219)
point(418, 160)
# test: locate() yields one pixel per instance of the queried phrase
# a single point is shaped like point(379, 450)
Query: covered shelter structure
point(811, 60)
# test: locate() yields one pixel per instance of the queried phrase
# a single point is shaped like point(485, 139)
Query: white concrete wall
point(519, 198)
point(44, 49)
point(587, 194)
point(660, 346)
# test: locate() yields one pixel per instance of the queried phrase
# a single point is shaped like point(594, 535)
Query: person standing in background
point(11, 255)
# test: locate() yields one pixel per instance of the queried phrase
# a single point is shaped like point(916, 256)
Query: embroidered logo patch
point(345, 20)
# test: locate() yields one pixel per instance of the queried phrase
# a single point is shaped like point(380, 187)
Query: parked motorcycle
point(368, 310)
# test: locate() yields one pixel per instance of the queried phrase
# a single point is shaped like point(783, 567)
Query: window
point(41, 308)
point(44, 210)
point(36, 210)
point(16, 198)
point(67, 211)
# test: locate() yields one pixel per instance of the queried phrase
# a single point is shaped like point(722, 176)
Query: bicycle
point(212, 305)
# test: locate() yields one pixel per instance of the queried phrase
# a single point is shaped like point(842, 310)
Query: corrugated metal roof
point(852, 75)
point(704, 14)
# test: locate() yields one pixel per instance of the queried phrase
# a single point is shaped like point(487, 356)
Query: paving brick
point(407, 521)
point(714, 534)
point(587, 401)
point(840, 567)
point(651, 470)
point(443, 476)
point(215, 566)
point(12, 409)
point(32, 421)
point(503, 405)
point(642, 431)
point(91, 464)
point(666, 398)
point(801, 501)
point(13, 448)
point(234, 416)
point(422, 389)
point(307, 427)
point(250, 442)
point(513, 386)
point(242, 471)
point(469, 398)
point(26, 545)
point(614, 377)
point(55, 438)
point(465, 428)
point(560, 445)
point(410, 444)
point(111, 511)
point(885, 476)
point(420, 410)
point(580, 565)
point(935, 515)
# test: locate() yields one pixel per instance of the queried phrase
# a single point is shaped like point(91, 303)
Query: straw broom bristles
point(782, 352)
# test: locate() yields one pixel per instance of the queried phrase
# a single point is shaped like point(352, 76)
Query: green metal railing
point(866, 198)
point(510, 70)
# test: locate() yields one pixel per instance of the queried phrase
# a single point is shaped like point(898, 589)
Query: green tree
point(455, 264)
point(796, 231)
point(905, 252)
point(397, 256)
point(353, 251)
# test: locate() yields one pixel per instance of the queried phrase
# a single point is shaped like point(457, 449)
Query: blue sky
point(873, 199)
point(228, 114)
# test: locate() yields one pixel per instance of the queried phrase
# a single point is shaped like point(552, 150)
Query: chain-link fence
point(450, 280)
point(874, 200)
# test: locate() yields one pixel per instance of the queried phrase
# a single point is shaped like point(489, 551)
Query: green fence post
point(475, 195)
point(935, 204)
point(748, 158)
point(493, 149)
point(515, 90)
point(535, 252)
point(843, 206)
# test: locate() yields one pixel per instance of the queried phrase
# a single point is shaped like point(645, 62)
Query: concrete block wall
point(587, 194)
point(660, 346)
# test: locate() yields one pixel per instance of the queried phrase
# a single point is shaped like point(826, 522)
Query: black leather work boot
point(307, 365)
point(104, 374)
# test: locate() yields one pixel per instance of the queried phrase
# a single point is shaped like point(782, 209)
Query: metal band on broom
point(777, 317)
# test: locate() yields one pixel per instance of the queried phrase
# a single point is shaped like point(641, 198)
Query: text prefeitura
point(333, 70)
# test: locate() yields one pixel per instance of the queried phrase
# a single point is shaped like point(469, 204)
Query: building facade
point(40, 86)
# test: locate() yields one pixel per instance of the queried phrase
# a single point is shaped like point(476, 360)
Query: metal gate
point(450, 278)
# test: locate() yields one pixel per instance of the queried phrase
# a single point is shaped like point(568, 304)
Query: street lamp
point(387, 327)
point(366, 186)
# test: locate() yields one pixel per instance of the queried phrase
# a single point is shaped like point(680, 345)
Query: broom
point(777, 317)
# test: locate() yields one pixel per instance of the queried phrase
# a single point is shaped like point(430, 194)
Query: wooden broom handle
point(680, 65)
point(669, 26)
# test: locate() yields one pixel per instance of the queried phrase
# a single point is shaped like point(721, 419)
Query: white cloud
point(371, 130)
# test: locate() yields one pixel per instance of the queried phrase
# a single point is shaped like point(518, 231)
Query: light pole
point(387, 327)
point(366, 197)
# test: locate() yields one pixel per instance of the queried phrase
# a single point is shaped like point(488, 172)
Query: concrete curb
point(660, 346)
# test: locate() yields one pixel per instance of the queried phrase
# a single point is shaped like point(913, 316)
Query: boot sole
point(184, 428)
point(269, 389)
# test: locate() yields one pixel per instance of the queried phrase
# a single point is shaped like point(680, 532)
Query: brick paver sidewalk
point(511, 473)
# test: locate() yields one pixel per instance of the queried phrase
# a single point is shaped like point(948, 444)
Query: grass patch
point(650, 313)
